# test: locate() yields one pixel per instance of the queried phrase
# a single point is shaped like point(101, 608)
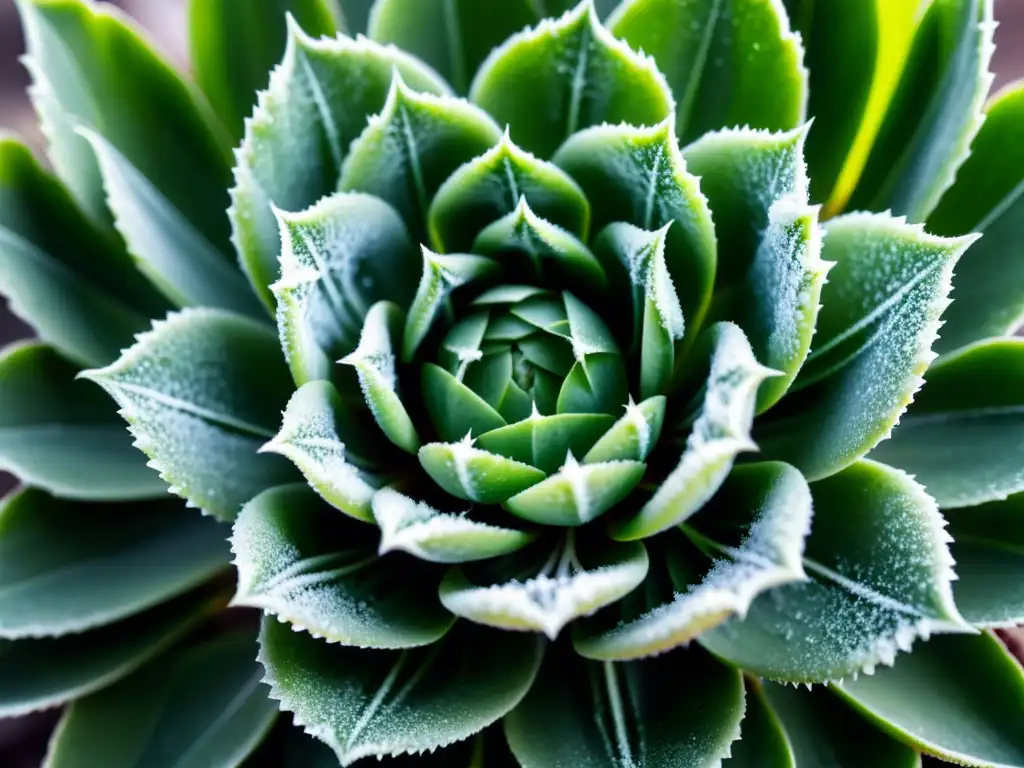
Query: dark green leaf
point(960, 698)
point(729, 63)
point(391, 702)
point(64, 435)
point(454, 409)
point(316, 104)
point(763, 741)
point(584, 714)
point(318, 571)
point(961, 437)
point(202, 707)
point(189, 394)
point(356, 15)
point(69, 567)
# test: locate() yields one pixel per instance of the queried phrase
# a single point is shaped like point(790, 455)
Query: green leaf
point(871, 593)
point(454, 409)
point(720, 431)
point(178, 258)
point(935, 112)
point(582, 713)
point(639, 176)
point(632, 437)
point(190, 398)
point(959, 698)
point(988, 546)
point(763, 741)
point(91, 69)
point(753, 529)
point(544, 588)
point(202, 707)
point(375, 363)
point(961, 437)
point(825, 733)
point(70, 567)
point(234, 46)
point(391, 703)
point(417, 141)
point(327, 437)
point(44, 673)
point(65, 436)
point(544, 441)
point(304, 751)
point(879, 317)
point(296, 141)
point(491, 186)
point(476, 475)
point(356, 14)
point(988, 197)
point(728, 63)
point(565, 75)
point(770, 272)
point(453, 36)
point(440, 537)
point(55, 256)
point(597, 381)
point(338, 258)
point(301, 562)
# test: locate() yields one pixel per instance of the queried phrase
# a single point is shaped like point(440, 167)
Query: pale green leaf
point(881, 577)
point(566, 75)
point(440, 537)
point(753, 531)
point(202, 707)
point(959, 698)
point(390, 703)
point(728, 62)
point(935, 112)
point(961, 437)
point(678, 711)
point(763, 741)
point(879, 317)
point(318, 571)
point(296, 141)
point(476, 475)
point(544, 441)
point(65, 436)
point(633, 436)
point(189, 394)
point(69, 566)
point(338, 258)
point(720, 430)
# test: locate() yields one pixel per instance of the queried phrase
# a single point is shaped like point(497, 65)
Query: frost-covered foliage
point(574, 377)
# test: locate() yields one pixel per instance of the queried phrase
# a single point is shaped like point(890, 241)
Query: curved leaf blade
point(763, 741)
point(476, 475)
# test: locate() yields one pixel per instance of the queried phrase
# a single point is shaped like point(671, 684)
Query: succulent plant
point(547, 360)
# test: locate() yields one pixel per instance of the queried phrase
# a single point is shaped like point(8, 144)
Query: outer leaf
point(582, 714)
point(720, 431)
point(300, 561)
point(440, 537)
point(824, 733)
point(763, 741)
point(202, 707)
point(638, 175)
point(91, 69)
point(306, 752)
point(871, 593)
point(988, 197)
point(234, 46)
point(956, 697)
point(541, 590)
point(453, 37)
point(988, 545)
point(64, 435)
point(566, 75)
point(728, 63)
point(935, 112)
point(474, 474)
point(189, 396)
point(961, 437)
point(298, 137)
point(326, 436)
point(754, 529)
point(44, 673)
point(338, 258)
point(54, 255)
point(396, 702)
point(417, 141)
point(69, 567)
point(491, 186)
point(879, 317)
